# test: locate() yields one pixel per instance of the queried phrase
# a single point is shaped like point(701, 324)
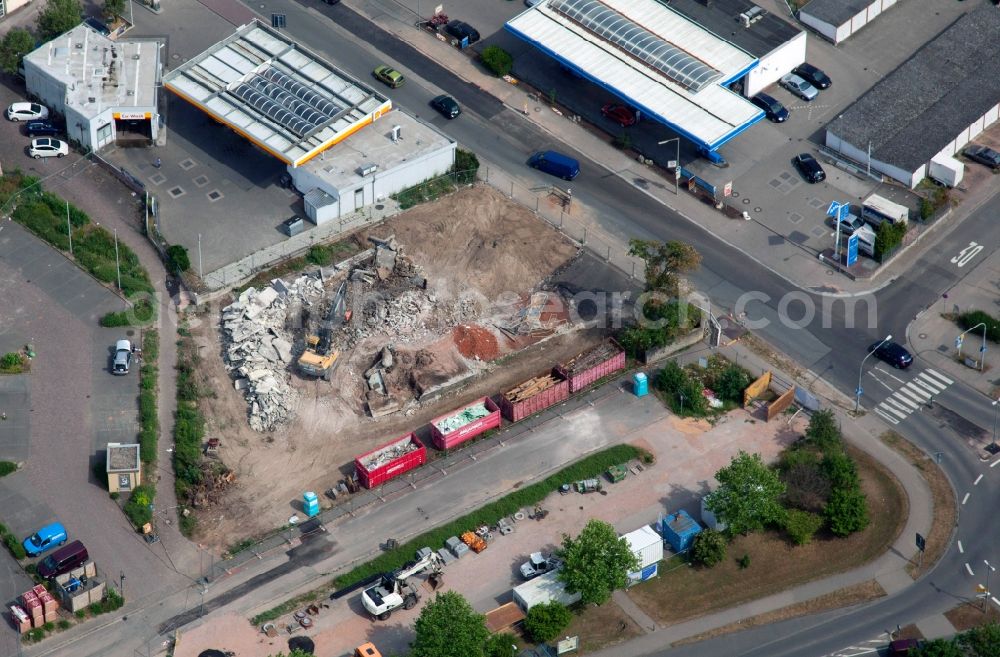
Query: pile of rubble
point(259, 351)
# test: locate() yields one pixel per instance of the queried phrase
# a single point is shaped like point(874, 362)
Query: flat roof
point(722, 17)
point(122, 458)
point(919, 108)
point(279, 95)
point(373, 144)
point(835, 12)
point(99, 73)
point(662, 62)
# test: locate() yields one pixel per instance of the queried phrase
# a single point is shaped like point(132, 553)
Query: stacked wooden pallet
point(595, 356)
point(530, 388)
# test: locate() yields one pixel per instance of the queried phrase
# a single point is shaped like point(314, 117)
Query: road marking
point(892, 402)
point(880, 381)
point(938, 375)
point(994, 464)
point(912, 389)
point(926, 387)
point(905, 401)
point(886, 417)
point(890, 409)
point(995, 601)
point(966, 498)
point(967, 254)
point(961, 550)
point(969, 568)
point(976, 482)
point(932, 382)
point(891, 375)
point(903, 393)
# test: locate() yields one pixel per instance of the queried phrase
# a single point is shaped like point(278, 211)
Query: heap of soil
point(475, 342)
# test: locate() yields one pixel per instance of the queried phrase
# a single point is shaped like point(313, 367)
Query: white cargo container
point(946, 170)
point(648, 548)
point(876, 210)
point(540, 590)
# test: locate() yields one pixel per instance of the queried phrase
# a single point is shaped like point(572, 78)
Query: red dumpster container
point(447, 439)
point(534, 395)
point(594, 364)
point(383, 463)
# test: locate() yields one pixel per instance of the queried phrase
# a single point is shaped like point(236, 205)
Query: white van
point(866, 241)
point(876, 210)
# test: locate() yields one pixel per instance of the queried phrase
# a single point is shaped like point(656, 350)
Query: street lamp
point(986, 593)
point(993, 449)
point(857, 393)
point(982, 349)
point(677, 162)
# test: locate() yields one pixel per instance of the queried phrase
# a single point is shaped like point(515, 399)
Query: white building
point(543, 589)
point(105, 89)
point(838, 19)
point(647, 545)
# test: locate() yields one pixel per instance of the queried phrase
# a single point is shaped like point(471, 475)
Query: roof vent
point(367, 169)
point(91, 99)
point(135, 56)
point(79, 45)
point(752, 15)
point(130, 92)
point(397, 131)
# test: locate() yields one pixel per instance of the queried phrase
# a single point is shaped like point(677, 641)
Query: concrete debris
point(389, 453)
point(386, 358)
point(462, 418)
point(259, 351)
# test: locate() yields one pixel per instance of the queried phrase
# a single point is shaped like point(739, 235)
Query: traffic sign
point(921, 542)
point(958, 342)
point(852, 249)
point(833, 209)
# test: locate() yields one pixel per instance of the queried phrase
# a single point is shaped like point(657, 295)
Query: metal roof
point(279, 95)
point(919, 108)
point(766, 33)
point(658, 60)
point(835, 12)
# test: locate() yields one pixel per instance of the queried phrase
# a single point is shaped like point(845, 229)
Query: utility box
point(293, 226)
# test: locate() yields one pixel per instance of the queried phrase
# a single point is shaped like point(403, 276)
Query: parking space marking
point(969, 568)
point(966, 498)
point(961, 550)
point(978, 479)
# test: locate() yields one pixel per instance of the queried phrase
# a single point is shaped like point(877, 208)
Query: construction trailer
point(541, 590)
point(648, 548)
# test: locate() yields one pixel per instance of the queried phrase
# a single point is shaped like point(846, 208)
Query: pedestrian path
point(912, 395)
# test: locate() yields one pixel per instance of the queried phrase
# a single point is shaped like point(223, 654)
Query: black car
point(42, 129)
point(461, 30)
point(983, 155)
point(447, 106)
point(813, 75)
point(774, 110)
point(893, 353)
point(809, 168)
point(97, 26)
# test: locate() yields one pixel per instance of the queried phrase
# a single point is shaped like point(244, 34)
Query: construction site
point(444, 305)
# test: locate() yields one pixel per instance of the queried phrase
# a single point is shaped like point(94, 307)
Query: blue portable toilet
point(311, 504)
point(640, 384)
point(679, 529)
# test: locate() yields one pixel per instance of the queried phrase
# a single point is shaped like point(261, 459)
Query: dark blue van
point(555, 164)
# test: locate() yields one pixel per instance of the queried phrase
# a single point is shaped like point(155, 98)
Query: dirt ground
point(484, 259)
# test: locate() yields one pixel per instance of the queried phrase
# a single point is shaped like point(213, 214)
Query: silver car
point(123, 357)
point(798, 86)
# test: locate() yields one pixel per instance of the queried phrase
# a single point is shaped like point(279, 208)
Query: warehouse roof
point(279, 95)
point(835, 12)
point(665, 64)
point(723, 18)
point(919, 108)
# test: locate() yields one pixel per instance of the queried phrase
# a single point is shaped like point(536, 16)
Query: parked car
point(903, 647)
point(620, 114)
point(332, 2)
point(97, 26)
point(798, 86)
point(48, 147)
point(809, 167)
point(539, 564)
point(850, 224)
point(555, 164)
point(123, 357)
point(892, 353)
point(42, 129)
point(27, 112)
point(775, 111)
point(447, 106)
point(813, 75)
point(983, 154)
point(532, 3)
point(461, 30)
point(389, 76)
point(44, 539)
point(63, 560)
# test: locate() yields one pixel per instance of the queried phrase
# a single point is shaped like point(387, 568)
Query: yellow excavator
point(319, 358)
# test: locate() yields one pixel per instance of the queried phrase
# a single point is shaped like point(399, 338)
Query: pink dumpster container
point(374, 468)
point(516, 407)
point(447, 440)
point(597, 363)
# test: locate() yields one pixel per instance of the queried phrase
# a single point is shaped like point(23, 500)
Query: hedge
point(975, 317)
point(591, 466)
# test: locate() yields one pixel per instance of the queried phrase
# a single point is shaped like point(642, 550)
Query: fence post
point(633, 270)
point(561, 213)
point(584, 234)
point(609, 254)
point(512, 189)
point(536, 205)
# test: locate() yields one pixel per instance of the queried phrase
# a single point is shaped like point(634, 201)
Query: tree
point(58, 16)
point(747, 498)
point(709, 548)
point(939, 648)
point(840, 470)
point(500, 645)
point(806, 487)
point(545, 621)
point(683, 391)
point(665, 263)
point(982, 641)
point(177, 258)
point(823, 430)
point(15, 45)
point(731, 383)
point(846, 511)
point(596, 562)
point(113, 8)
point(497, 60)
point(448, 626)
point(295, 652)
point(801, 525)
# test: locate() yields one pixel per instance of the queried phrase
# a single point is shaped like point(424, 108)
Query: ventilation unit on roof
point(751, 16)
point(396, 133)
point(367, 169)
point(79, 46)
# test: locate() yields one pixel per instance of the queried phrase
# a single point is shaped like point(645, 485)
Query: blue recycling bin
point(640, 384)
point(311, 504)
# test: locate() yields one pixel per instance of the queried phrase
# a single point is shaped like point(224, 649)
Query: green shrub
point(177, 258)
point(11, 362)
point(15, 547)
point(801, 526)
point(187, 523)
point(80, 613)
point(888, 236)
point(744, 561)
point(115, 495)
point(546, 621)
point(662, 324)
point(846, 511)
point(35, 635)
point(840, 470)
point(623, 140)
point(823, 431)
point(682, 391)
point(137, 508)
point(7, 467)
point(731, 383)
point(94, 608)
point(466, 166)
point(64, 624)
point(48, 626)
point(708, 548)
point(497, 60)
point(974, 318)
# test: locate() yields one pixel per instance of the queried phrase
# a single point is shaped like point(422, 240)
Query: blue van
point(45, 538)
point(555, 164)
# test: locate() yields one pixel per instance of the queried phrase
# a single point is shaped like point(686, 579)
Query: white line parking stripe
point(886, 417)
point(931, 381)
point(961, 550)
point(966, 498)
point(969, 568)
point(995, 463)
point(938, 375)
point(922, 394)
point(976, 482)
point(890, 409)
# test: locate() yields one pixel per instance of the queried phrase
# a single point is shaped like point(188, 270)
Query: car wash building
point(838, 19)
point(105, 90)
point(297, 107)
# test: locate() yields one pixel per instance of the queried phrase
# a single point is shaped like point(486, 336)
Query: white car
point(27, 112)
point(48, 147)
point(798, 86)
point(539, 564)
point(123, 357)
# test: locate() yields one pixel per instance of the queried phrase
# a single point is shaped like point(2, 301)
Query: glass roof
point(286, 101)
point(634, 39)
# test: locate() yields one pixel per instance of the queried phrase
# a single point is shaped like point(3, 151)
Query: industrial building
point(912, 124)
point(838, 19)
point(106, 90)
point(297, 107)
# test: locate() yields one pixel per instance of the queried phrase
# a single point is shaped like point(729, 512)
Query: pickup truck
point(539, 564)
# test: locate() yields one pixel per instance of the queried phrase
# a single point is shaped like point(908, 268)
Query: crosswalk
point(912, 395)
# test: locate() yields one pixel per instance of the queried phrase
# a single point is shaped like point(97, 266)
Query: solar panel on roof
point(634, 39)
